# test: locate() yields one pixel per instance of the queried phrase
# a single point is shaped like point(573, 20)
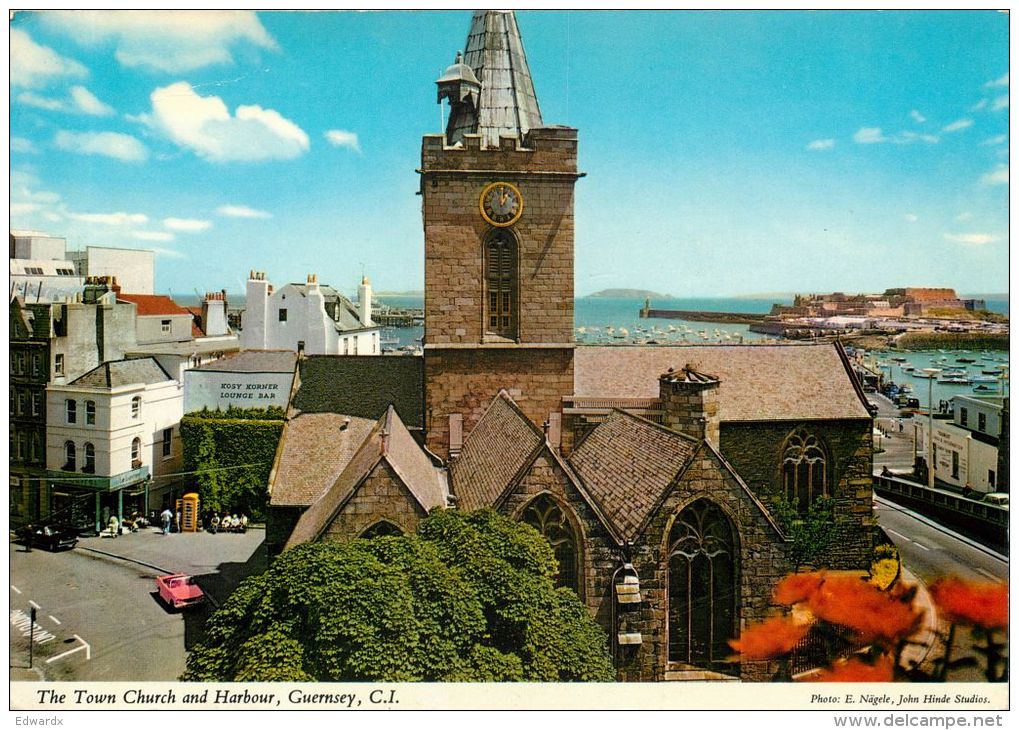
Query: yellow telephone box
point(187, 507)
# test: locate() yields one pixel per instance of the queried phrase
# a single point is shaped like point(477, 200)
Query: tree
point(471, 597)
point(811, 533)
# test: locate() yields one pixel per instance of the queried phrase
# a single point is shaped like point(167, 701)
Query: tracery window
point(804, 470)
point(703, 592)
point(382, 528)
point(546, 516)
point(501, 284)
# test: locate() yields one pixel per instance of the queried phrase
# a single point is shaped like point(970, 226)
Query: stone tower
point(497, 193)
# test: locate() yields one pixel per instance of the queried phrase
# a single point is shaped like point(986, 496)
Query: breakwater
point(952, 341)
point(702, 316)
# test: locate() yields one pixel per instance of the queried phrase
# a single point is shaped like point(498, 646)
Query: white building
point(135, 268)
point(965, 449)
point(315, 318)
point(112, 441)
point(247, 379)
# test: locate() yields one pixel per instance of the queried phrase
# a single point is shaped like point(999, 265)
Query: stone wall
point(382, 496)
point(466, 380)
point(755, 450)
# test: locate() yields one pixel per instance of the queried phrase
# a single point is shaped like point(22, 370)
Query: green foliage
point(469, 598)
point(811, 533)
point(232, 458)
point(270, 413)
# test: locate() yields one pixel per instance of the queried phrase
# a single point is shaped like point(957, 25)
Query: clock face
point(501, 204)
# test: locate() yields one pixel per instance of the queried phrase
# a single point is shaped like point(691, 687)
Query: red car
point(179, 590)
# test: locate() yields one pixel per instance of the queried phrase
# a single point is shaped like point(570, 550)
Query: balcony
point(99, 483)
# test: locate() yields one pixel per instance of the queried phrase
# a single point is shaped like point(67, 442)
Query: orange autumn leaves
point(774, 638)
point(977, 604)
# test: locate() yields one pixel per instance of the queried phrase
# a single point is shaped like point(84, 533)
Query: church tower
point(497, 193)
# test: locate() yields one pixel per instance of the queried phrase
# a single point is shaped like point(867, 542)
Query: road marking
point(23, 622)
point(35, 605)
point(990, 575)
point(899, 534)
point(84, 645)
point(54, 619)
point(15, 589)
point(922, 547)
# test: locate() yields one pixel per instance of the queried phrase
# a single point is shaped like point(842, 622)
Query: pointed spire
point(507, 103)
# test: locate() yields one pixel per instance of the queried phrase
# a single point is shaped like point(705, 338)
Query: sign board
point(216, 389)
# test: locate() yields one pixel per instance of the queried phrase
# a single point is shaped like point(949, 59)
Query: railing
point(649, 408)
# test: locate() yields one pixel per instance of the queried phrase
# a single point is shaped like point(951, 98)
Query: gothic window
point(702, 587)
point(500, 284)
point(804, 470)
point(382, 529)
point(545, 516)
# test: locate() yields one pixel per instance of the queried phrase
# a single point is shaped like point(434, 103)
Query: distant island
point(628, 294)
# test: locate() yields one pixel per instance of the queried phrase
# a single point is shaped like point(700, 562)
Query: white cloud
point(123, 147)
point(22, 145)
point(29, 98)
point(23, 189)
point(917, 117)
point(979, 105)
point(1003, 81)
point(911, 217)
point(974, 239)
point(167, 252)
point(241, 211)
point(173, 41)
point(87, 103)
point(821, 144)
point(189, 225)
point(1000, 103)
point(34, 66)
point(204, 125)
point(908, 137)
point(1000, 139)
point(152, 236)
point(997, 176)
point(958, 125)
point(112, 219)
point(869, 135)
point(343, 138)
point(20, 208)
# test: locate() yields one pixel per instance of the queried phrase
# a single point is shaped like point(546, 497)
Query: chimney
point(364, 302)
point(690, 403)
point(214, 321)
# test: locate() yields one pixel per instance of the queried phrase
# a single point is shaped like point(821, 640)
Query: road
point(896, 446)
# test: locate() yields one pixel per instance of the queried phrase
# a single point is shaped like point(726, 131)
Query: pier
point(702, 316)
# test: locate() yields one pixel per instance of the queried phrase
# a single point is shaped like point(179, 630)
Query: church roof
point(388, 441)
point(508, 104)
point(498, 447)
point(758, 383)
point(626, 463)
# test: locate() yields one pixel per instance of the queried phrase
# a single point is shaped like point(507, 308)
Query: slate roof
point(315, 448)
point(626, 463)
point(495, 451)
point(361, 386)
point(255, 361)
point(508, 105)
point(124, 372)
point(758, 383)
point(150, 305)
point(389, 442)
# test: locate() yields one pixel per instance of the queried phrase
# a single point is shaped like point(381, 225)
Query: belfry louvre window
point(545, 516)
point(702, 588)
point(501, 284)
point(382, 528)
point(804, 470)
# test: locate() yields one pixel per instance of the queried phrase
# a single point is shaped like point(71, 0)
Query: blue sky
point(726, 152)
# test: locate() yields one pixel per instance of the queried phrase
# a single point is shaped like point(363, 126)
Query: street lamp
point(930, 373)
point(1002, 378)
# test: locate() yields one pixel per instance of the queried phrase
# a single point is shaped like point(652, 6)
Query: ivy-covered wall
point(232, 452)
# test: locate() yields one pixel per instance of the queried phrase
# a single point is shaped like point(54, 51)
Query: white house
point(315, 318)
point(965, 449)
point(112, 441)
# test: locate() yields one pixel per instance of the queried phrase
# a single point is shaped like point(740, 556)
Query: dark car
point(51, 537)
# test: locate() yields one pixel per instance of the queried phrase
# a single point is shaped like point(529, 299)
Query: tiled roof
point(758, 383)
point(124, 372)
point(626, 463)
point(493, 453)
point(315, 450)
point(389, 441)
point(255, 361)
point(362, 386)
point(153, 304)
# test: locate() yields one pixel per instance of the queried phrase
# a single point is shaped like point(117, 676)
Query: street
point(98, 617)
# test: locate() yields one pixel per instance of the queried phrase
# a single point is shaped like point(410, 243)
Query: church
point(653, 471)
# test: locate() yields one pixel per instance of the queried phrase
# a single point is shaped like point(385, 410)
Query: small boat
point(954, 381)
point(923, 375)
point(900, 359)
point(982, 388)
point(984, 379)
point(965, 359)
point(991, 372)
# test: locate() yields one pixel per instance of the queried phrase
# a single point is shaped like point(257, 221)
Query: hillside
point(627, 294)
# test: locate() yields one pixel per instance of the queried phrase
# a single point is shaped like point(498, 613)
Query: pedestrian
point(29, 537)
point(166, 516)
point(176, 519)
point(114, 526)
point(215, 523)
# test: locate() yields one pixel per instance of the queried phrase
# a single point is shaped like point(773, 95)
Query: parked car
point(179, 590)
point(51, 537)
point(998, 498)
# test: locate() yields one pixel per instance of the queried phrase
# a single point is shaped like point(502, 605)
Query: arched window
point(90, 412)
point(382, 528)
point(702, 587)
point(90, 459)
point(804, 470)
point(501, 284)
point(136, 406)
point(70, 456)
point(136, 453)
point(71, 406)
point(548, 518)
